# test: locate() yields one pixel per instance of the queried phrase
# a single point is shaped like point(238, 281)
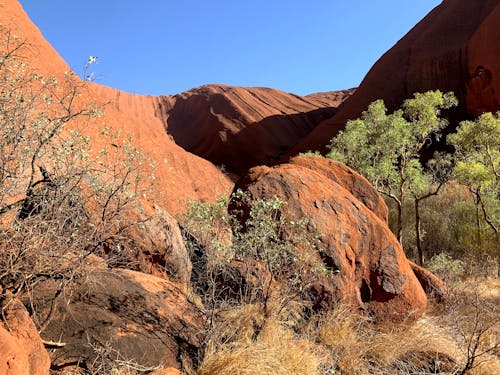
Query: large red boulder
point(129, 315)
point(370, 270)
point(349, 179)
point(21, 348)
point(454, 48)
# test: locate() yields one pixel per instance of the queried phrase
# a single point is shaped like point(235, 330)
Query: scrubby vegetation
point(456, 233)
point(449, 204)
point(59, 203)
point(62, 197)
point(245, 338)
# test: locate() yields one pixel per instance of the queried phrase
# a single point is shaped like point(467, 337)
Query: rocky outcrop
point(454, 48)
point(233, 127)
point(349, 179)
point(179, 175)
point(156, 245)
point(369, 268)
point(431, 283)
point(21, 348)
point(133, 316)
point(243, 127)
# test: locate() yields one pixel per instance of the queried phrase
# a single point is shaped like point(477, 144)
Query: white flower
point(91, 60)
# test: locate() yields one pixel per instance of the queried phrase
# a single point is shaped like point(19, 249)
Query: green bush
point(450, 225)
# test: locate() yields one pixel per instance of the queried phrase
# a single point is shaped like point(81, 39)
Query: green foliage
point(477, 146)
point(477, 150)
point(311, 153)
point(449, 225)
point(385, 147)
point(446, 267)
point(256, 247)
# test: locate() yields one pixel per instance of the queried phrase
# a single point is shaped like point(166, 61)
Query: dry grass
point(248, 344)
point(355, 346)
point(245, 342)
point(473, 317)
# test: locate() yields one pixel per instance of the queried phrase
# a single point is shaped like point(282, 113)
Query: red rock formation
point(433, 285)
point(21, 348)
point(231, 126)
point(374, 272)
point(454, 48)
point(154, 245)
point(243, 127)
point(236, 127)
point(143, 318)
point(349, 179)
point(179, 174)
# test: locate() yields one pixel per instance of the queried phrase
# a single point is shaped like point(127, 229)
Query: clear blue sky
point(168, 46)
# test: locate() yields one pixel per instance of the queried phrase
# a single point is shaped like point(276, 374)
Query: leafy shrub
point(446, 267)
point(248, 260)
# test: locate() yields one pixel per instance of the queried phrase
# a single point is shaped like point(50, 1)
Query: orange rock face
point(243, 127)
point(454, 48)
point(21, 348)
point(234, 127)
point(370, 270)
point(349, 179)
point(179, 175)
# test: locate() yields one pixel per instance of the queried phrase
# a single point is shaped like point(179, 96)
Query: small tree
point(477, 150)
point(386, 147)
point(251, 255)
point(425, 185)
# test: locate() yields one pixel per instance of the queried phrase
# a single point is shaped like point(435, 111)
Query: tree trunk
point(399, 228)
point(478, 222)
point(487, 217)
point(417, 232)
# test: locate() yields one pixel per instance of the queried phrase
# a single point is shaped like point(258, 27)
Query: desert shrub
point(446, 267)
point(252, 260)
point(311, 154)
point(60, 198)
point(472, 318)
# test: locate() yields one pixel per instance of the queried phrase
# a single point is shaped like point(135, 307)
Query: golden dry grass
point(342, 342)
point(248, 344)
point(355, 346)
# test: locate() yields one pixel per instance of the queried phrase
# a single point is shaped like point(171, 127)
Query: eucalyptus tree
point(385, 147)
point(477, 151)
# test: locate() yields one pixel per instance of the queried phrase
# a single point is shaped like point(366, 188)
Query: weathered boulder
point(134, 316)
point(158, 247)
point(349, 179)
point(454, 48)
point(21, 348)
point(369, 268)
point(431, 283)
